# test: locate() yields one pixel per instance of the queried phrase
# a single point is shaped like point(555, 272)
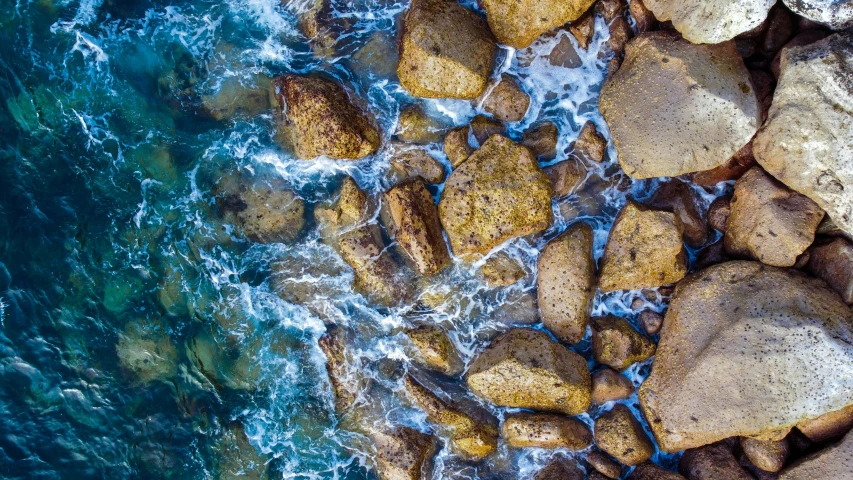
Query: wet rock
point(415, 126)
point(469, 437)
point(644, 250)
point(145, 350)
point(650, 471)
point(236, 458)
point(498, 193)
point(351, 209)
point(483, 127)
point(416, 162)
point(718, 213)
point(711, 22)
point(829, 426)
point(605, 465)
point(541, 139)
point(836, 14)
point(651, 321)
point(517, 307)
point(446, 51)
point(526, 369)
point(501, 270)
point(235, 98)
point(224, 365)
point(769, 222)
point(322, 25)
point(321, 119)
point(403, 453)
point(608, 385)
point(618, 433)
point(769, 456)
point(615, 343)
point(435, 350)
point(564, 54)
point(620, 33)
point(644, 19)
point(413, 224)
point(566, 283)
point(341, 368)
point(590, 144)
point(262, 209)
point(518, 24)
point(763, 322)
point(566, 176)
point(806, 105)
point(507, 101)
point(643, 106)
point(545, 430)
point(560, 469)
point(677, 197)
point(583, 29)
point(733, 169)
point(456, 146)
point(610, 9)
point(711, 462)
point(832, 462)
point(376, 59)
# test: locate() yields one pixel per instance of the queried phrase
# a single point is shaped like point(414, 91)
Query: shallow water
point(139, 336)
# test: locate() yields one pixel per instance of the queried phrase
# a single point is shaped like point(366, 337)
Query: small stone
point(501, 270)
point(566, 176)
point(518, 24)
point(560, 469)
point(541, 139)
point(733, 169)
point(605, 465)
point(416, 162)
point(615, 343)
point(456, 146)
point(644, 19)
point(507, 101)
point(711, 462)
point(833, 262)
point(590, 144)
point(648, 470)
point(608, 385)
point(618, 433)
point(620, 33)
point(435, 350)
point(564, 54)
point(483, 127)
point(413, 224)
point(545, 430)
point(415, 126)
point(718, 213)
point(583, 29)
point(651, 321)
point(769, 456)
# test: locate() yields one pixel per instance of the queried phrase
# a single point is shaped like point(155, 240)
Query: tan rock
point(545, 430)
point(711, 462)
point(764, 323)
point(526, 369)
point(566, 177)
point(583, 29)
point(604, 464)
point(650, 471)
point(664, 103)
point(416, 162)
point(483, 127)
point(566, 283)
point(321, 119)
point(712, 21)
point(341, 368)
point(415, 126)
point(498, 193)
point(564, 54)
point(829, 426)
point(414, 226)
point(833, 262)
point(518, 24)
point(834, 462)
point(560, 469)
point(456, 146)
point(501, 270)
point(615, 343)
point(435, 350)
point(541, 139)
point(651, 321)
point(590, 144)
point(618, 433)
point(769, 222)
point(262, 209)
point(376, 274)
point(677, 197)
point(403, 453)
point(446, 51)
point(507, 101)
point(608, 385)
point(644, 250)
point(769, 456)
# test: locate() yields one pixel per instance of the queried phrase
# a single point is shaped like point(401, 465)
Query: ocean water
point(140, 336)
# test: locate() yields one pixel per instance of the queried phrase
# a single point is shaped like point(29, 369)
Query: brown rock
point(456, 146)
point(403, 453)
point(583, 29)
point(768, 221)
point(414, 226)
point(711, 462)
point(341, 368)
point(608, 385)
point(322, 26)
point(416, 163)
point(566, 176)
point(718, 213)
point(566, 283)
point(829, 426)
point(541, 139)
point(644, 250)
point(507, 101)
point(483, 127)
point(415, 126)
point(518, 24)
point(560, 469)
point(590, 144)
point(564, 54)
point(263, 210)
point(233, 98)
point(604, 464)
point(435, 350)
point(501, 270)
point(526, 369)
point(780, 28)
point(620, 33)
point(618, 433)
point(677, 197)
point(765, 85)
point(739, 164)
point(545, 430)
point(497, 194)
point(643, 17)
point(769, 456)
point(615, 343)
point(651, 321)
point(835, 462)
point(610, 9)
point(650, 471)
point(833, 262)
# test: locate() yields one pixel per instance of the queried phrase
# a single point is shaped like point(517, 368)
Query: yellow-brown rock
point(566, 177)
point(413, 224)
point(507, 101)
point(650, 471)
point(604, 464)
point(416, 162)
point(435, 350)
point(618, 433)
point(767, 455)
point(519, 23)
point(545, 430)
point(833, 262)
point(617, 344)
point(456, 146)
point(403, 453)
point(590, 144)
point(829, 426)
point(415, 126)
point(609, 385)
point(712, 462)
point(501, 270)
point(264, 210)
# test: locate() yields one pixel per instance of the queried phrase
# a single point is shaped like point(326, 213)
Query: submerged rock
point(566, 177)
point(618, 433)
point(498, 193)
point(145, 350)
point(413, 224)
point(518, 24)
point(836, 14)
point(809, 104)
point(321, 119)
point(617, 344)
point(784, 334)
point(545, 430)
point(236, 458)
point(541, 139)
point(446, 51)
point(526, 369)
point(483, 127)
point(507, 101)
point(834, 462)
point(435, 349)
point(403, 453)
point(712, 462)
point(711, 21)
point(665, 104)
point(264, 210)
point(234, 98)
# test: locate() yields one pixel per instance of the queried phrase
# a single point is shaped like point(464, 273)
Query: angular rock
point(541, 139)
point(608, 385)
point(566, 176)
point(650, 471)
point(560, 469)
point(526, 369)
point(566, 283)
point(615, 343)
point(718, 213)
point(498, 193)
point(677, 197)
point(583, 29)
point(711, 462)
point(618, 433)
point(456, 146)
point(785, 334)
point(833, 262)
point(417, 163)
point(644, 19)
point(644, 250)
point(836, 14)
point(604, 464)
point(435, 350)
point(711, 21)
point(590, 144)
point(501, 270)
point(446, 51)
point(664, 106)
point(340, 367)
point(413, 224)
point(545, 430)
point(769, 456)
point(483, 127)
point(263, 210)
point(813, 87)
point(769, 222)
point(610, 9)
point(415, 126)
point(320, 119)
point(651, 321)
point(806, 37)
point(507, 101)
point(833, 462)
point(518, 24)
point(829, 426)
point(403, 453)
point(620, 33)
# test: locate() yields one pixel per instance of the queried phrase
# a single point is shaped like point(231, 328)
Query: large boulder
point(807, 140)
point(524, 368)
point(319, 118)
point(497, 194)
point(446, 51)
point(566, 283)
point(746, 350)
point(837, 14)
point(834, 462)
point(519, 23)
point(715, 21)
point(412, 220)
point(674, 107)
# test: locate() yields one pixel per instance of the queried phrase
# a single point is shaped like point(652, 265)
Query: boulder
point(560, 469)
point(829, 426)
point(617, 344)
point(446, 51)
point(415, 126)
point(320, 119)
point(785, 334)
point(524, 368)
point(541, 139)
point(483, 127)
point(650, 471)
point(711, 21)
point(435, 350)
point(403, 453)
point(341, 368)
point(416, 162)
point(456, 146)
point(545, 430)
point(768, 221)
point(604, 464)
point(768, 455)
point(262, 209)
point(620, 33)
point(413, 224)
point(807, 104)
point(677, 197)
point(644, 250)
point(836, 14)
point(608, 385)
point(711, 462)
point(237, 97)
point(566, 177)
point(501, 270)
point(618, 433)
point(498, 193)
point(519, 23)
point(590, 144)
point(664, 106)
point(507, 101)
point(566, 283)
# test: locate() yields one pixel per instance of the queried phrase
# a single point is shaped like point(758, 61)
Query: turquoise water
point(140, 336)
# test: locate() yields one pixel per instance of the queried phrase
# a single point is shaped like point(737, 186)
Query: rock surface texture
point(836, 14)
point(833, 462)
point(413, 223)
point(618, 433)
point(519, 23)
point(712, 21)
point(545, 430)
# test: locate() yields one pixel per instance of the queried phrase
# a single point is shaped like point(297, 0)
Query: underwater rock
point(376, 59)
point(590, 144)
point(416, 162)
point(566, 283)
point(236, 458)
point(403, 453)
point(415, 126)
point(456, 146)
point(541, 139)
point(501, 270)
point(813, 85)
point(263, 209)
point(711, 462)
point(711, 21)
point(413, 224)
point(618, 433)
point(566, 176)
point(836, 14)
point(783, 333)
point(446, 51)
point(644, 250)
point(560, 469)
point(519, 23)
point(498, 193)
point(617, 344)
point(435, 349)
point(145, 350)
point(768, 221)
point(545, 430)
point(604, 464)
point(524, 368)
point(829, 426)
point(677, 197)
point(664, 106)
point(223, 364)
point(608, 385)
point(234, 98)
point(768, 455)
point(320, 119)
point(832, 462)
point(507, 101)
point(648, 470)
